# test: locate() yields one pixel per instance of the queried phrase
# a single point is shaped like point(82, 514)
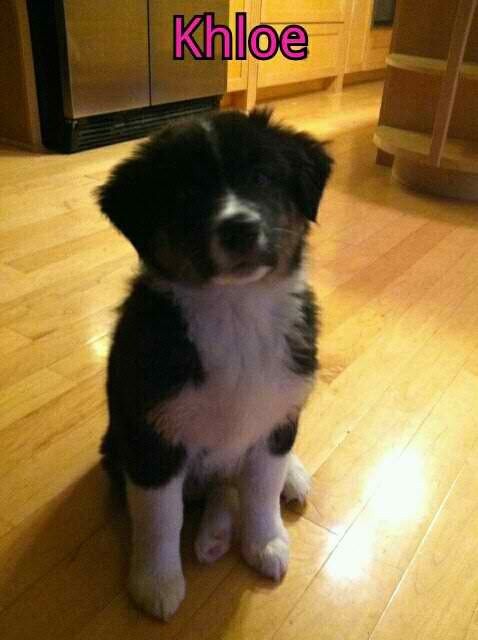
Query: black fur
point(164, 198)
point(303, 342)
point(282, 438)
point(151, 360)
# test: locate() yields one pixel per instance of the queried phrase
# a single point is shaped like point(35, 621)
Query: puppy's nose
point(240, 233)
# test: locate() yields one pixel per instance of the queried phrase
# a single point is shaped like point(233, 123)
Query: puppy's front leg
point(265, 542)
point(156, 578)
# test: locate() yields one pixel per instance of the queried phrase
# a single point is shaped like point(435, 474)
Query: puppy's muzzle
point(239, 235)
point(244, 244)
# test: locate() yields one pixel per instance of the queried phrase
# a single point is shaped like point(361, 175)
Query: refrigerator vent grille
point(96, 131)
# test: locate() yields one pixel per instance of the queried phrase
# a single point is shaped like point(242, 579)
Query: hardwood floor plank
point(118, 270)
point(60, 252)
point(55, 346)
point(450, 260)
point(29, 203)
point(55, 312)
point(52, 533)
point(11, 340)
point(31, 485)
point(5, 527)
point(438, 595)
point(353, 294)
point(43, 235)
point(335, 412)
point(251, 608)
point(84, 362)
point(21, 398)
point(344, 483)
point(388, 531)
point(27, 169)
point(19, 284)
point(73, 592)
point(25, 439)
point(344, 601)
point(130, 624)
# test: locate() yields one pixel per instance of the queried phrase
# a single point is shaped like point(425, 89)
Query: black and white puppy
point(215, 349)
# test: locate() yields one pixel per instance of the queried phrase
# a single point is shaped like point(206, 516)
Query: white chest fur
point(240, 334)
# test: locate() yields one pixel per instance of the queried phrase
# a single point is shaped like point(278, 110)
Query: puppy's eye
point(261, 179)
point(188, 193)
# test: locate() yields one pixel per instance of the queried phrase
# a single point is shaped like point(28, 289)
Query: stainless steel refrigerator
point(105, 69)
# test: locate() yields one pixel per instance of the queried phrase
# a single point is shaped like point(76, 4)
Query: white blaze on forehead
point(207, 126)
point(233, 205)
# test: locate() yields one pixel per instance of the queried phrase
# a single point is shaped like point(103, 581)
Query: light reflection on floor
point(400, 498)
point(100, 348)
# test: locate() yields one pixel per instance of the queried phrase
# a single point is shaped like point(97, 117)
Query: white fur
point(215, 533)
point(233, 205)
point(249, 388)
point(156, 580)
point(272, 560)
point(297, 482)
point(265, 542)
point(156, 594)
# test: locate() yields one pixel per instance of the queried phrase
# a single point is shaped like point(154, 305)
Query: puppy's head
point(223, 199)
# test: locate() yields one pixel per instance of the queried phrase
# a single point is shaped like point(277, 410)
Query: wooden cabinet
point(322, 61)
point(303, 11)
point(341, 40)
point(378, 47)
point(324, 21)
point(359, 29)
point(19, 119)
point(237, 69)
point(368, 47)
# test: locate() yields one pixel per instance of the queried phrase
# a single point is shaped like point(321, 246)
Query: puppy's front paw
point(157, 595)
point(270, 559)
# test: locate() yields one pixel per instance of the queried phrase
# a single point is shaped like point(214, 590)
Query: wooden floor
point(387, 547)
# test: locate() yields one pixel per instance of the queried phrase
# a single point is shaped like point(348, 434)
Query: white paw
point(211, 545)
point(215, 533)
point(270, 560)
point(159, 596)
point(297, 482)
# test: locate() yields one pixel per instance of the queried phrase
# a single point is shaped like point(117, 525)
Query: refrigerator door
point(176, 80)
point(105, 57)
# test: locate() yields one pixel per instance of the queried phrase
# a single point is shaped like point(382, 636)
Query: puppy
point(215, 349)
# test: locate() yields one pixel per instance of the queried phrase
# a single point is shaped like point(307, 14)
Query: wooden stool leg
point(384, 158)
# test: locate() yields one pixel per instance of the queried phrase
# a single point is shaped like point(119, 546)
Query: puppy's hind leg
point(297, 481)
point(215, 532)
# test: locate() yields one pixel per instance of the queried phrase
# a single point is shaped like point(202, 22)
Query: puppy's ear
point(122, 200)
point(261, 116)
point(312, 166)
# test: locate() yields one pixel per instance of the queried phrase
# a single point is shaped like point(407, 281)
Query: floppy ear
point(261, 116)
point(122, 200)
point(313, 167)
point(311, 164)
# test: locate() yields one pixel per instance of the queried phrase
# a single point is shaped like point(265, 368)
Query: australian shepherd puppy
point(214, 352)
